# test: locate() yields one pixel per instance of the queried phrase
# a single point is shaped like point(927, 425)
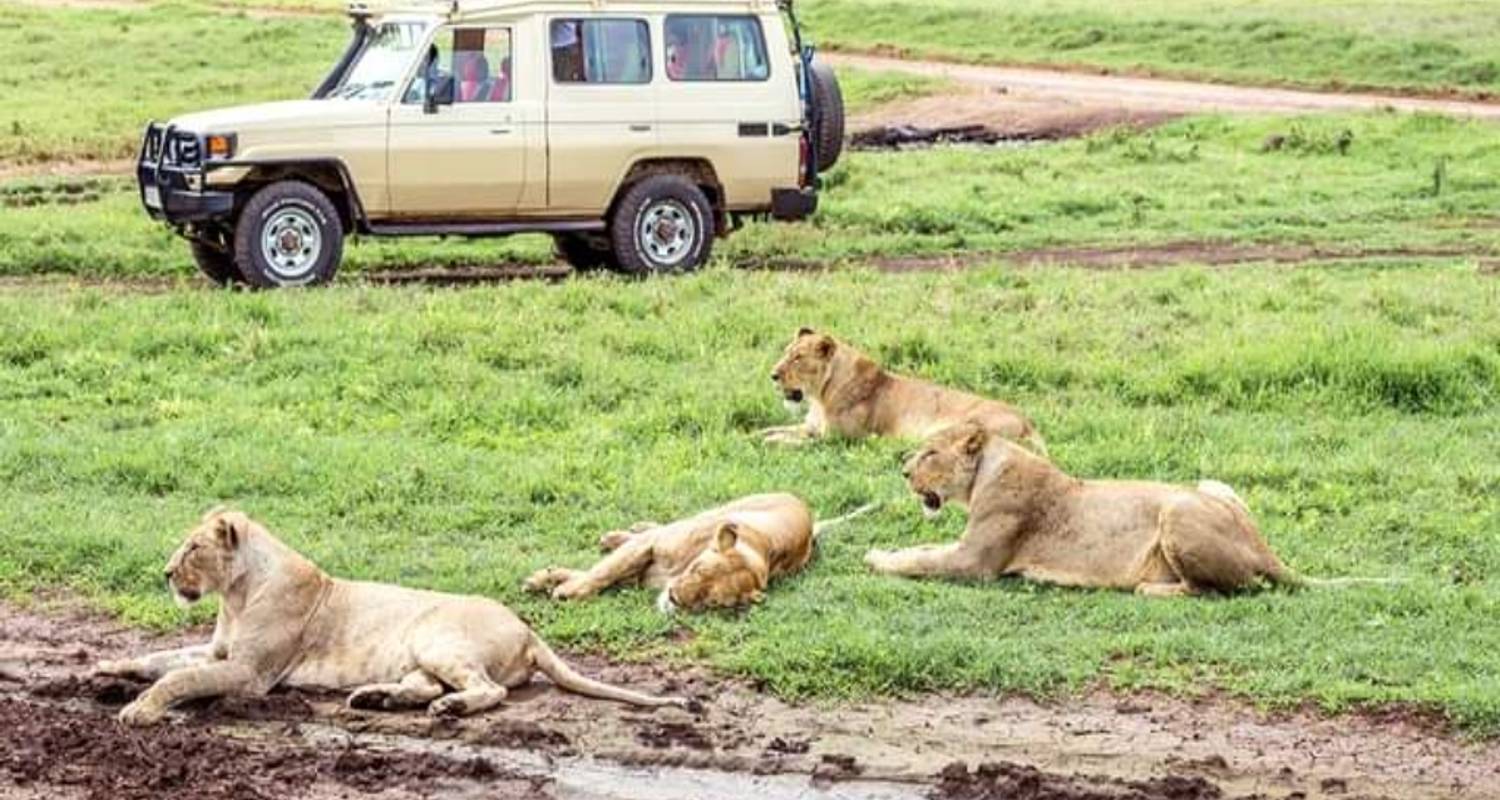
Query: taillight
point(804, 157)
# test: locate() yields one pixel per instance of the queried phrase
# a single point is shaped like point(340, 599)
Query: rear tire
point(663, 224)
point(828, 98)
point(584, 252)
point(289, 234)
point(216, 264)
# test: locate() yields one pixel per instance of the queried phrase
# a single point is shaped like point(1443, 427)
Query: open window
point(702, 47)
point(479, 60)
point(601, 51)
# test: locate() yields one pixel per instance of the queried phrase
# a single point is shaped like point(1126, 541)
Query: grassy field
point(1434, 45)
point(1406, 182)
point(459, 440)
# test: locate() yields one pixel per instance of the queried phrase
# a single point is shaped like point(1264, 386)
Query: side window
point(716, 48)
point(479, 61)
point(601, 51)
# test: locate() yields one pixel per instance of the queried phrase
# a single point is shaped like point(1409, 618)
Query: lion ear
point(825, 346)
point(976, 440)
point(230, 529)
point(727, 537)
point(801, 332)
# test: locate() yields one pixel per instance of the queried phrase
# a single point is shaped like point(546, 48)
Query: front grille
point(151, 150)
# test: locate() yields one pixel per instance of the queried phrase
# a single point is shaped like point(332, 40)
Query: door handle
point(499, 131)
point(640, 128)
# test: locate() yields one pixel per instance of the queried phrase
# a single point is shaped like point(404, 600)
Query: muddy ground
point(58, 740)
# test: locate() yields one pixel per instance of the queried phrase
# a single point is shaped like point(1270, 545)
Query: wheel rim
point(667, 233)
point(291, 243)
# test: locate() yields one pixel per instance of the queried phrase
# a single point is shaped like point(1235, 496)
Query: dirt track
point(58, 739)
point(1153, 95)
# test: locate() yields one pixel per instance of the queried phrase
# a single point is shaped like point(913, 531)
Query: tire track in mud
point(744, 743)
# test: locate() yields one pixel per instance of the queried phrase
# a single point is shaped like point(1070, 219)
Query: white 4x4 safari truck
point(633, 131)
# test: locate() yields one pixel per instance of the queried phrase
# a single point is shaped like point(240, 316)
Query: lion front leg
point(790, 435)
point(626, 563)
point(155, 665)
point(958, 560)
point(190, 683)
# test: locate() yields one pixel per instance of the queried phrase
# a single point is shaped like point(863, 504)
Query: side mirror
point(440, 92)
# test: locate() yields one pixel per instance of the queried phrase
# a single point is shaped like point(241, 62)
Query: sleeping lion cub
point(1028, 518)
point(721, 558)
point(850, 395)
point(283, 622)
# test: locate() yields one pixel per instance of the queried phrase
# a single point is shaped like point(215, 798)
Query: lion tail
point(1292, 579)
point(565, 676)
point(826, 524)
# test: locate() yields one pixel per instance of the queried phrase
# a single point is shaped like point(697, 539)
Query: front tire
point(663, 224)
point(584, 252)
point(217, 264)
point(289, 234)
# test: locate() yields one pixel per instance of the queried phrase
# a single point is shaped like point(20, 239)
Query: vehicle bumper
point(174, 193)
point(793, 204)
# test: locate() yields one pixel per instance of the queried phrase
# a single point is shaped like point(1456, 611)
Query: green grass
point(82, 84)
point(1407, 181)
point(1435, 45)
point(459, 440)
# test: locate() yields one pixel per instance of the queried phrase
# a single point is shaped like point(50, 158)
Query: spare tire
point(828, 99)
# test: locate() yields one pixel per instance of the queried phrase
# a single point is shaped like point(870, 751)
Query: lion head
point(727, 574)
point(204, 563)
point(805, 365)
point(945, 467)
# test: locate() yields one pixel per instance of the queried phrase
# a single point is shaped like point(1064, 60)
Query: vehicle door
point(468, 153)
point(601, 107)
point(729, 99)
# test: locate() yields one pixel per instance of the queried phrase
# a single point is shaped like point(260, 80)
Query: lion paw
point(141, 714)
point(370, 699)
point(544, 579)
point(878, 560)
point(571, 590)
point(450, 706)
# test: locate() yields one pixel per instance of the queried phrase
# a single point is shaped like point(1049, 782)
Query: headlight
point(219, 146)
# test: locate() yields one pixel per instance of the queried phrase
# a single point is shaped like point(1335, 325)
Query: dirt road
point(1154, 95)
point(58, 739)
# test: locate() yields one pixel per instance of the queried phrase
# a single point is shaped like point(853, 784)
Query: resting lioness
point(850, 395)
point(284, 622)
point(1028, 518)
point(721, 558)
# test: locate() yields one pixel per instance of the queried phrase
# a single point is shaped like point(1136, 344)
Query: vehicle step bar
point(476, 230)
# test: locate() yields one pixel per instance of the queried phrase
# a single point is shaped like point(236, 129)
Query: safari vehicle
point(634, 132)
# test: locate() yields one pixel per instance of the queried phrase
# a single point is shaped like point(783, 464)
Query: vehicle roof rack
point(370, 8)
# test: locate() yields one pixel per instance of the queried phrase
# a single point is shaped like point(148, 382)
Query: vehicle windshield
point(384, 61)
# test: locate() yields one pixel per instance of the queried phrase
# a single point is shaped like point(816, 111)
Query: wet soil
point(60, 740)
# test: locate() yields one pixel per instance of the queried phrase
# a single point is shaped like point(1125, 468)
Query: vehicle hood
point(281, 115)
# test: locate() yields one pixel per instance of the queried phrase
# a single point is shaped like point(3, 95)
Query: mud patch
point(1006, 781)
point(742, 742)
point(907, 137)
point(987, 117)
point(462, 276)
point(89, 752)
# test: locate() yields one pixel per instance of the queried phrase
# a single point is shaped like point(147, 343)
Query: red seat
point(473, 71)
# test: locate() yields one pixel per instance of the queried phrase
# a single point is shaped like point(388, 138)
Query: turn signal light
point(220, 147)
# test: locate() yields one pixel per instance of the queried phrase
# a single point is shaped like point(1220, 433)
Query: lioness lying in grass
point(1028, 518)
point(848, 394)
point(284, 622)
point(724, 557)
